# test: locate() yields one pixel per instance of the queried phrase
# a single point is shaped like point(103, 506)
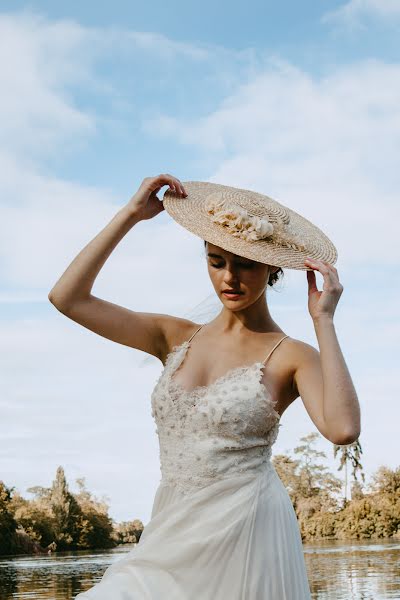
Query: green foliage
point(95, 526)
point(357, 491)
point(313, 491)
point(128, 532)
point(371, 517)
point(386, 481)
point(7, 522)
point(37, 521)
point(53, 519)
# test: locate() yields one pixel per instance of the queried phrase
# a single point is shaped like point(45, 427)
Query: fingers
point(321, 265)
point(174, 183)
point(328, 271)
point(312, 283)
point(154, 184)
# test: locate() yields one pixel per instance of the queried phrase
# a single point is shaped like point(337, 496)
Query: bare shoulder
point(301, 356)
point(176, 330)
point(300, 350)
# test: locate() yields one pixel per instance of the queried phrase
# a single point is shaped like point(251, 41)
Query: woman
point(222, 524)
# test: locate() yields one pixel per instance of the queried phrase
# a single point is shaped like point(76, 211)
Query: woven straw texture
point(294, 237)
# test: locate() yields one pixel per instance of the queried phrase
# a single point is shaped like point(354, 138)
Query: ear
point(274, 270)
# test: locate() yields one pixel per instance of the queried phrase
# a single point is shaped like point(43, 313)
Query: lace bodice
point(212, 431)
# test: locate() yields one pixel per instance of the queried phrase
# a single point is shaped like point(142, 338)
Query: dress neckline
point(198, 390)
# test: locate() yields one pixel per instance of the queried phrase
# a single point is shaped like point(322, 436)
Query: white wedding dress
point(222, 526)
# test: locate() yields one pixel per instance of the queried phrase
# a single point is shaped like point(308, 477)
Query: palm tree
point(352, 453)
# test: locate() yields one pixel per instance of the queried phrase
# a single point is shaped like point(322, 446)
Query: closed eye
point(242, 265)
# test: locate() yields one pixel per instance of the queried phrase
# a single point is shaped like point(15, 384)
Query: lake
point(357, 570)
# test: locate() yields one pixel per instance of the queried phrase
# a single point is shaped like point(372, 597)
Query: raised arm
point(71, 295)
point(322, 378)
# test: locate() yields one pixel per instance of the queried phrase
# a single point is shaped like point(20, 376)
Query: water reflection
point(354, 570)
point(339, 571)
point(60, 576)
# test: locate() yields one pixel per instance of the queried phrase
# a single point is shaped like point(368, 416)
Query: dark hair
point(273, 278)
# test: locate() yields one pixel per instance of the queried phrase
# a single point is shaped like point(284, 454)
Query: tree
point(386, 481)
point(287, 467)
point(8, 524)
point(95, 526)
point(56, 519)
point(352, 453)
point(314, 476)
point(39, 492)
point(66, 512)
point(128, 532)
point(357, 492)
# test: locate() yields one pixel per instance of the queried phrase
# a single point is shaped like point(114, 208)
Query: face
point(229, 271)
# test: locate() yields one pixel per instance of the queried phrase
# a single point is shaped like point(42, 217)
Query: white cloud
point(52, 398)
point(326, 146)
point(171, 49)
point(42, 61)
point(353, 12)
point(39, 60)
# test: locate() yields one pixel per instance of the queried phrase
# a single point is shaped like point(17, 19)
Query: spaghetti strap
point(276, 345)
point(191, 337)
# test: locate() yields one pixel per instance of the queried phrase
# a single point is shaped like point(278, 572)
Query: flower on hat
point(238, 221)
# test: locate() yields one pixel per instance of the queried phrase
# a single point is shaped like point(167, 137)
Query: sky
point(300, 101)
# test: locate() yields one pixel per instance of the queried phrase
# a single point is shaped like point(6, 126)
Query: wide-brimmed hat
point(249, 224)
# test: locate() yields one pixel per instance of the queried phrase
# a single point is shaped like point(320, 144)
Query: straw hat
point(248, 224)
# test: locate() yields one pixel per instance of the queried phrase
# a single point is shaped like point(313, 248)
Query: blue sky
point(296, 100)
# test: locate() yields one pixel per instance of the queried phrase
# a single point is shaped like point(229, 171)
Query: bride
point(222, 523)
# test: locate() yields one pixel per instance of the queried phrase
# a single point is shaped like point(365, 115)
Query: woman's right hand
point(145, 203)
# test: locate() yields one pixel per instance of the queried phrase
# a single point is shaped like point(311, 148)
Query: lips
point(231, 292)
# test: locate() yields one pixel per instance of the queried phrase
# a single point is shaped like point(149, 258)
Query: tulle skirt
point(235, 539)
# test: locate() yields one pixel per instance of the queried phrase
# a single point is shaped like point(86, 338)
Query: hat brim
point(190, 213)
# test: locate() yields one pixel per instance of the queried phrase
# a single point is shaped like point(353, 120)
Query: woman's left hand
point(323, 304)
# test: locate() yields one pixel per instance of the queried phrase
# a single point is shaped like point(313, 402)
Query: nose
point(231, 277)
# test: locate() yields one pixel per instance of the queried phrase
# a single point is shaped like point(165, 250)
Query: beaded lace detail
point(214, 431)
